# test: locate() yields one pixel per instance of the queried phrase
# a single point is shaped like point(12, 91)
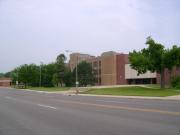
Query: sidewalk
point(72, 92)
point(177, 97)
point(136, 97)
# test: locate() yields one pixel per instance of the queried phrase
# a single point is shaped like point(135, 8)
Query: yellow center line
point(123, 107)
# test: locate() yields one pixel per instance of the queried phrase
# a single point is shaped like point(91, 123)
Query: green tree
point(68, 78)
point(85, 74)
point(7, 74)
point(23, 75)
point(1, 75)
point(154, 58)
point(60, 68)
point(172, 57)
point(47, 72)
point(34, 72)
point(27, 74)
point(55, 80)
point(14, 75)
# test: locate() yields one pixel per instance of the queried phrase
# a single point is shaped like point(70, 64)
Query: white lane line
point(46, 106)
point(18, 100)
point(8, 97)
point(11, 98)
point(41, 105)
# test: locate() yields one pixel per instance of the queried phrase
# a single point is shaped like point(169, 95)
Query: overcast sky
point(38, 30)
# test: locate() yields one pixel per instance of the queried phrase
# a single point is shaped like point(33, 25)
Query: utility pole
point(40, 75)
point(77, 83)
point(17, 81)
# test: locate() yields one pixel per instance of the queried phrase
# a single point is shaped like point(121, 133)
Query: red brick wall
point(121, 60)
point(167, 74)
point(5, 84)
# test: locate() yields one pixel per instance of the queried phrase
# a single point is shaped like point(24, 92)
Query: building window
point(99, 63)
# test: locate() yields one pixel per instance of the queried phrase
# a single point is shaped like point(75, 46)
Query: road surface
point(31, 113)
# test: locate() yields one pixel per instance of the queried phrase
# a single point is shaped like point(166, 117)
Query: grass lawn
point(134, 91)
point(49, 89)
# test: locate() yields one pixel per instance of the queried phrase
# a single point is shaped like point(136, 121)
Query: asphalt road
point(31, 113)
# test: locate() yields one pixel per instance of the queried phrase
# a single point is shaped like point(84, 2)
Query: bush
point(175, 82)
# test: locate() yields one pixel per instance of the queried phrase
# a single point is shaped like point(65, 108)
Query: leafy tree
point(51, 74)
point(8, 74)
point(34, 72)
point(47, 74)
point(172, 57)
point(175, 82)
point(14, 75)
point(23, 75)
point(85, 74)
point(27, 74)
point(55, 80)
point(68, 77)
point(151, 58)
point(60, 68)
point(1, 75)
point(139, 61)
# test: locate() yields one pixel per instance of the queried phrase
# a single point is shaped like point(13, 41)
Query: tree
point(47, 72)
point(85, 74)
point(14, 75)
point(1, 75)
point(34, 74)
point(55, 80)
point(60, 68)
point(7, 74)
point(23, 75)
point(68, 78)
point(154, 58)
point(51, 74)
point(172, 57)
point(27, 74)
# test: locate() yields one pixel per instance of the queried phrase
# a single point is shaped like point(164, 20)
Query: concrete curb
point(133, 97)
point(72, 93)
point(38, 91)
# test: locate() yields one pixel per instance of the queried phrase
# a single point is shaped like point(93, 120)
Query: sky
point(34, 31)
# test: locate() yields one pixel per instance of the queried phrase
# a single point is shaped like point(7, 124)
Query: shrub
point(175, 82)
